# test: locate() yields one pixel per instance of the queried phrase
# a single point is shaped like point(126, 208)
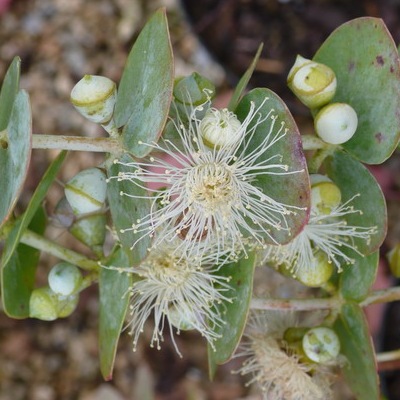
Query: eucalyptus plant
point(192, 199)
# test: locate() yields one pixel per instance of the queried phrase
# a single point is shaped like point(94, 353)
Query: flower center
point(210, 186)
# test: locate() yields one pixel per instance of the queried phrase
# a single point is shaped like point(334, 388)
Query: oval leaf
point(354, 179)
point(234, 313)
point(145, 90)
point(356, 345)
point(126, 210)
point(356, 280)
point(291, 188)
point(14, 160)
point(9, 90)
point(18, 274)
point(366, 62)
point(114, 301)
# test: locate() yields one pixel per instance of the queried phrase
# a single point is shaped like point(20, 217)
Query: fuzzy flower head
point(208, 182)
point(178, 292)
point(275, 368)
point(326, 240)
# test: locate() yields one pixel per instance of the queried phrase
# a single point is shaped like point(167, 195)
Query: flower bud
point(325, 195)
point(318, 273)
point(94, 97)
point(64, 278)
point(192, 92)
point(66, 305)
point(220, 128)
point(86, 191)
point(336, 123)
point(90, 230)
point(321, 345)
point(394, 260)
point(181, 322)
point(313, 83)
point(43, 304)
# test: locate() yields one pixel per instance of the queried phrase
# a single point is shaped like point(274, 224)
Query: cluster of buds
point(315, 86)
point(60, 298)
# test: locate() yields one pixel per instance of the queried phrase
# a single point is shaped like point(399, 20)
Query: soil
point(59, 41)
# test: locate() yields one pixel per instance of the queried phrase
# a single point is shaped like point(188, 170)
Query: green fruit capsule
point(317, 274)
point(325, 195)
point(321, 345)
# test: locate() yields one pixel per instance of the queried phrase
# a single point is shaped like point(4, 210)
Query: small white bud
point(94, 97)
point(86, 191)
point(313, 83)
point(336, 123)
point(321, 345)
point(220, 128)
point(64, 278)
point(325, 195)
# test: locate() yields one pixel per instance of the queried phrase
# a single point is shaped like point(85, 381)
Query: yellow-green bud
point(318, 273)
point(67, 305)
point(313, 83)
point(64, 278)
point(94, 97)
point(43, 304)
point(321, 345)
point(394, 260)
point(336, 123)
point(325, 195)
point(86, 191)
point(90, 230)
point(181, 322)
point(220, 128)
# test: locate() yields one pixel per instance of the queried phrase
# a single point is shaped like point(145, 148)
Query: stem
point(311, 142)
point(77, 143)
point(318, 158)
point(295, 304)
point(382, 296)
point(41, 243)
point(88, 280)
point(388, 356)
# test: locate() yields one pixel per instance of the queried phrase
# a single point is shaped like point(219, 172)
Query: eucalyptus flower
point(177, 292)
point(277, 369)
point(327, 233)
point(210, 195)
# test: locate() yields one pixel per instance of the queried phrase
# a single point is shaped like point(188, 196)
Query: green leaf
point(18, 274)
point(114, 301)
point(356, 280)
point(38, 196)
point(145, 90)
point(360, 370)
point(354, 179)
point(126, 210)
point(244, 81)
point(8, 92)
point(291, 189)
point(366, 62)
point(14, 160)
point(234, 313)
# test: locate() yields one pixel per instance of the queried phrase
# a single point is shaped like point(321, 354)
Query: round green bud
point(43, 304)
point(66, 305)
point(321, 345)
point(193, 90)
point(90, 229)
point(220, 128)
point(318, 273)
point(94, 97)
point(313, 83)
point(64, 278)
point(86, 191)
point(394, 260)
point(336, 123)
point(325, 195)
point(181, 322)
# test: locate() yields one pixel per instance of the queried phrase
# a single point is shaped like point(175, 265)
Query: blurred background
point(59, 41)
